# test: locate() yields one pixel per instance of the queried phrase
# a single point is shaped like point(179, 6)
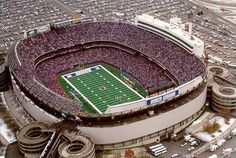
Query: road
point(64, 7)
point(228, 144)
point(214, 15)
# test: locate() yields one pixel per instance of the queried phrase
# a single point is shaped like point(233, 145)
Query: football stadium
point(112, 76)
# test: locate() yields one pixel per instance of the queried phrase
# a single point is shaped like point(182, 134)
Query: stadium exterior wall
point(175, 93)
point(159, 99)
point(127, 106)
point(36, 112)
point(185, 88)
point(127, 132)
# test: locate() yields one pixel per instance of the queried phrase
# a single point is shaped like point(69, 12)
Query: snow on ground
point(206, 137)
point(218, 8)
point(231, 18)
point(6, 133)
point(198, 122)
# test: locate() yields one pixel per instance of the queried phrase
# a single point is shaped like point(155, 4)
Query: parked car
point(213, 147)
point(191, 148)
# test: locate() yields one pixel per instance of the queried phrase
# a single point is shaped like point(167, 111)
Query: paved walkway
point(64, 7)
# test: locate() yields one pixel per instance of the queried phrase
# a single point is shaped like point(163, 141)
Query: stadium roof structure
point(177, 29)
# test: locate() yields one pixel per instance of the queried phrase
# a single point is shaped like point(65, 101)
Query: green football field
point(99, 88)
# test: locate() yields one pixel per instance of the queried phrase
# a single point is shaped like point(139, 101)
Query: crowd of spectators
point(171, 58)
point(138, 66)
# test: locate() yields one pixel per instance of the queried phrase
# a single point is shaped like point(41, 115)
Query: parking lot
point(19, 15)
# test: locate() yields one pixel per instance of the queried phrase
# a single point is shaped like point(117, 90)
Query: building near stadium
point(43, 141)
point(124, 84)
point(223, 91)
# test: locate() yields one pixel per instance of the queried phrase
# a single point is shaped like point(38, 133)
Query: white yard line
point(82, 95)
point(121, 82)
point(75, 96)
point(63, 76)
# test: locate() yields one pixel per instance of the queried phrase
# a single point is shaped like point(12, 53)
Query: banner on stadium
point(81, 72)
point(162, 98)
point(30, 33)
point(36, 30)
point(75, 21)
point(88, 19)
point(44, 28)
point(63, 24)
